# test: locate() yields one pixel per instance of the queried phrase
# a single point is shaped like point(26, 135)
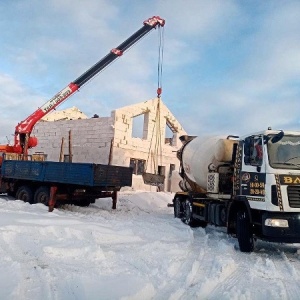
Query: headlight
point(276, 223)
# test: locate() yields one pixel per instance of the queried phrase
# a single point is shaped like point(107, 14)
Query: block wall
point(90, 139)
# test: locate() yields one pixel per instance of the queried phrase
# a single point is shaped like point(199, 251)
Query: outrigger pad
point(153, 179)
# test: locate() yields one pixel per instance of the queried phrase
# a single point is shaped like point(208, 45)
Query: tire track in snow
point(289, 276)
point(217, 266)
point(220, 271)
point(227, 287)
point(267, 273)
point(201, 272)
point(183, 275)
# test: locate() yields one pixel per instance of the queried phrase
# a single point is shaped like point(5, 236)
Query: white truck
point(250, 185)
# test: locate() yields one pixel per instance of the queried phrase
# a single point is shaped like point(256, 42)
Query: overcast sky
point(230, 67)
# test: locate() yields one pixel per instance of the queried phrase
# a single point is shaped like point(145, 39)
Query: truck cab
point(270, 171)
point(267, 180)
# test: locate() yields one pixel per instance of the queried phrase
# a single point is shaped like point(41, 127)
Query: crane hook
point(159, 91)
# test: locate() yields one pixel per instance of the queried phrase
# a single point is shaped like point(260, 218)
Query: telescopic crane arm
point(22, 140)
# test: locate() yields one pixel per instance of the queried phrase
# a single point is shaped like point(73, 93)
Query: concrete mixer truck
point(250, 185)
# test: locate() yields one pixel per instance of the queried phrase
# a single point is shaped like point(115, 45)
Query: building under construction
point(144, 136)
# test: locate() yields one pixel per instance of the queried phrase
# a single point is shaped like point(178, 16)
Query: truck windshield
point(285, 154)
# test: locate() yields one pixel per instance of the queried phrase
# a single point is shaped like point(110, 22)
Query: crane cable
point(159, 91)
point(160, 60)
point(156, 128)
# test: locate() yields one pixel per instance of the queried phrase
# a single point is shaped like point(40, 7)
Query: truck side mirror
point(247, 144)
point(276, 138)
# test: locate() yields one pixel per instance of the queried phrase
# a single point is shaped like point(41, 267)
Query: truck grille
point(294, 196)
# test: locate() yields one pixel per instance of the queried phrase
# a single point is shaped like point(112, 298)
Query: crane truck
point(45, 181)
point(249, 185)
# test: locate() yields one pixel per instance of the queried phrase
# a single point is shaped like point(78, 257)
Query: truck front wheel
point(244, 232)
point(24, 193)
point(42, 195)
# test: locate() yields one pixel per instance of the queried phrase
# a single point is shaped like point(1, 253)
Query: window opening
point(169, 136)
point(170, 133)
point(140, 126)
point(172, 168)
point(161, 170)
point(138, 166)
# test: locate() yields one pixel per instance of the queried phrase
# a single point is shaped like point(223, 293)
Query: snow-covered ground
point(138, 251)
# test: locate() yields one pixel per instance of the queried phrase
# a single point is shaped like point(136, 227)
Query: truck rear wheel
point(187, 216)
point(177, 208)
point(187, 213)
point(42, 195)
point(24, 193)
point(244, 232)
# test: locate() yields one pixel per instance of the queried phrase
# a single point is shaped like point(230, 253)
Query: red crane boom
point(23, 140)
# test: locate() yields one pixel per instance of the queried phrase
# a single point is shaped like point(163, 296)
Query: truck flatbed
point(82, 174)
